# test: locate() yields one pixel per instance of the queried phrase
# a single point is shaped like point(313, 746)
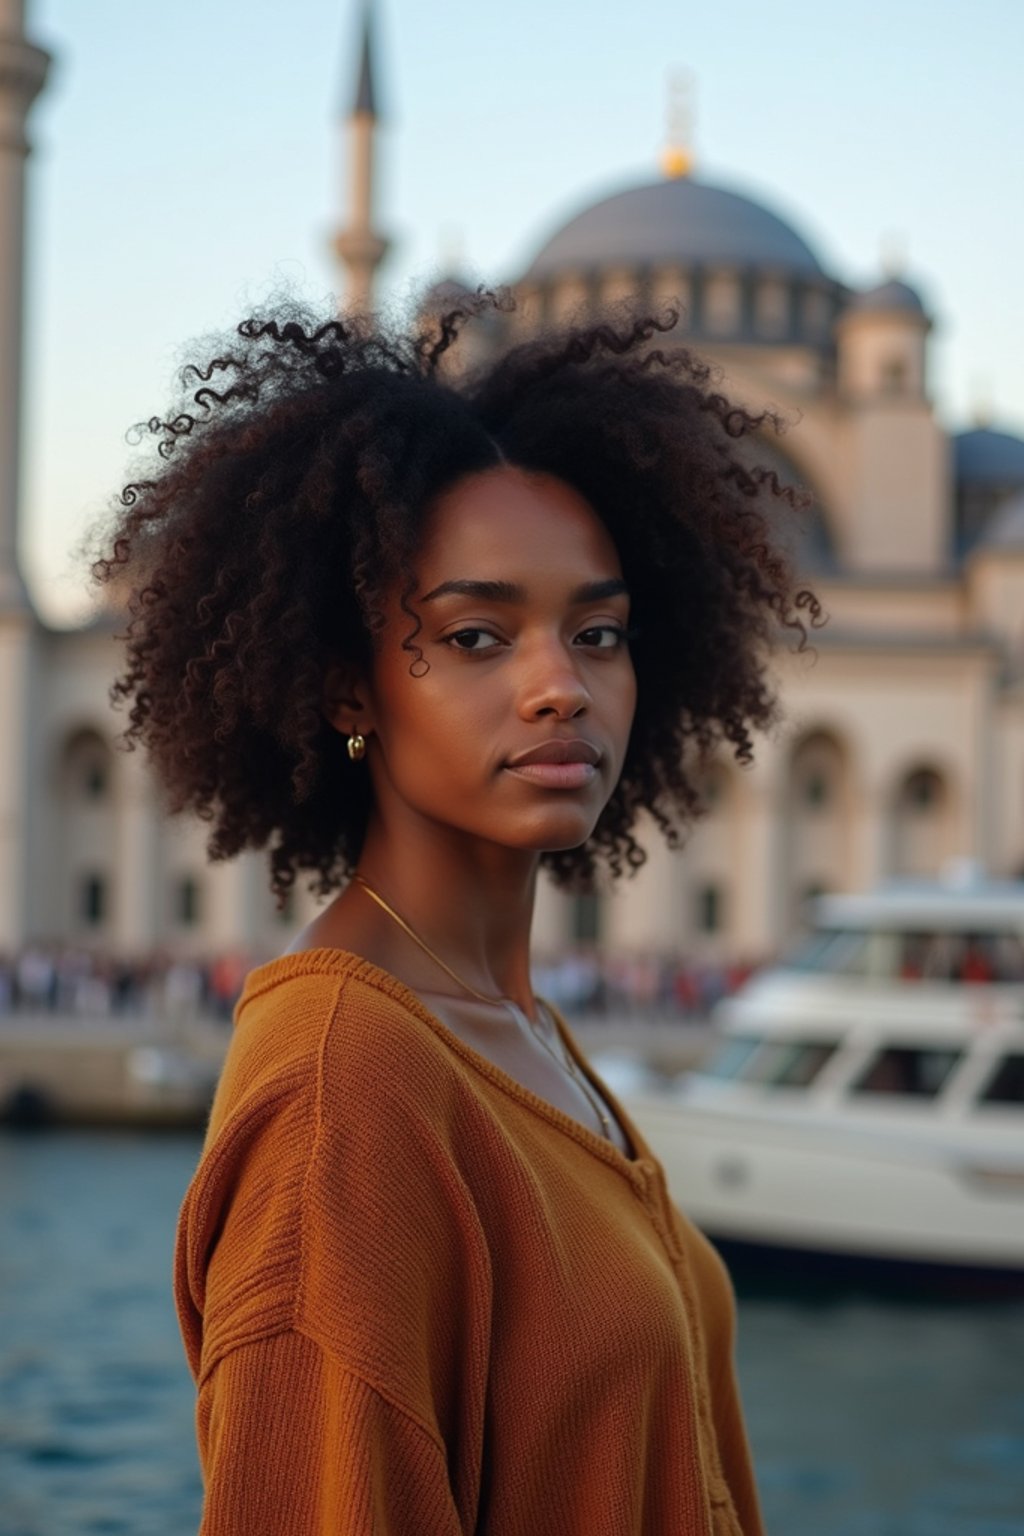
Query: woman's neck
point(469, 902)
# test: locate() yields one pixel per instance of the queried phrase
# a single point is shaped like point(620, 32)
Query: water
point(868, 1418)
point(95, 1401)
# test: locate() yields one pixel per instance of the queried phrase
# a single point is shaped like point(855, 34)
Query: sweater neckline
point(329, 961)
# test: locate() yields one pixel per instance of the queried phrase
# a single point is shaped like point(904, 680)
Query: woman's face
point(517, 732)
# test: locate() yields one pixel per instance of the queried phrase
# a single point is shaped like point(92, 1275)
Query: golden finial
point(677, 156)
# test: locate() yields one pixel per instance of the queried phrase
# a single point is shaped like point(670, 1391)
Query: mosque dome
point(989, 475)
point(985, 457)
point(891, 297)
point(741, 275)
point(680, 221)
point(447, 292)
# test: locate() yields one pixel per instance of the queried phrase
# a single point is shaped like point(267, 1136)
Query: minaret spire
point(366, 94)
point(359, 246)
point(23, 69)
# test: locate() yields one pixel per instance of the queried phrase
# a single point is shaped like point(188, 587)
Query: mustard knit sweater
point(417, 1298)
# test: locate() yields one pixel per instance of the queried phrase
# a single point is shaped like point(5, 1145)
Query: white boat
point(864, 1099)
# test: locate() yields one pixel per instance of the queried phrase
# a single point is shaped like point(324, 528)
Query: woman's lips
point(555, 775)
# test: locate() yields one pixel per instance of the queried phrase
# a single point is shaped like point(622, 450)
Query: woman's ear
point(345, 702)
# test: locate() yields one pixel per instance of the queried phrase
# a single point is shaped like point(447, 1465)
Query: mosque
point(902, 744)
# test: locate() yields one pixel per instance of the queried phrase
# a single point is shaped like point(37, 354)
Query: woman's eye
point(603, 637)
point(470, 640)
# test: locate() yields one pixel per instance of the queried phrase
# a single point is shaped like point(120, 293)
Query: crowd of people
point(68, 980)
point(603, 983)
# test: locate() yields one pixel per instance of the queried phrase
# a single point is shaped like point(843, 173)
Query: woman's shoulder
point(328, 1125)
point(324, 1014)
point(313, 991)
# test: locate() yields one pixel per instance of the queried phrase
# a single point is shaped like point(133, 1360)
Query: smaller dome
point(893, 296)
point(1005, 529)
point(446, 293)
point(985, 457)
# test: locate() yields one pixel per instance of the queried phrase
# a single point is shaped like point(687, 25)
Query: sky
point(188, 161)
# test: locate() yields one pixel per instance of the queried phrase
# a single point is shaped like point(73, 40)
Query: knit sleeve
point(328, 1207)
point(293, 1444)
point(718, 1326)
point(734, 1449)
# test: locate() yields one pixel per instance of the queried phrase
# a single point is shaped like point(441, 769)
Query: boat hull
point(765, 1269)
point(865, 1194)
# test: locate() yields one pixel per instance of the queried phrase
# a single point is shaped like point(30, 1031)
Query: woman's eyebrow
point(510, 592)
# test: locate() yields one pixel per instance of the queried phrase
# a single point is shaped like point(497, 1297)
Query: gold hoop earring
point(356, 745)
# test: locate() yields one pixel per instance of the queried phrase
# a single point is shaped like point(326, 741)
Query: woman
point(423, 635)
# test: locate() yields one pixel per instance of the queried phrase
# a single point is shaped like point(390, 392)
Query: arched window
point(922, 791)
point(709, 914)
point(187, 901)
point(815, 789)
point(817, 770)
point(713, 789)
point(83, 833)
point(586, 918)
point(92, 899)
point(923, 833)
point(86, 767)
point(699, 891)
point(818, 821)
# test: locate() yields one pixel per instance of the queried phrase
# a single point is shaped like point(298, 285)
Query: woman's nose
point(552, 685)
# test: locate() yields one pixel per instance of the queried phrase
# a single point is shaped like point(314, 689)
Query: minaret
point(22, 75)
point(359, 247)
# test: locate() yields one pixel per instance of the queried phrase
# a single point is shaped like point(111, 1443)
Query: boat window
point(913, 956)
point(1006, 1085)
point(790, 1063)
point(731, 1056)
point(846, 952)
point(962, 957)
point(908, 1070)
point(807, 956)
point(836, 950)
point(1008, 953)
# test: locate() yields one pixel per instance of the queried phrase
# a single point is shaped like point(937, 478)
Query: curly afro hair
point(286, 497)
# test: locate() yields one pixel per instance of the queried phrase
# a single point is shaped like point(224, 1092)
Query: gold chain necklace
point(566, 1063)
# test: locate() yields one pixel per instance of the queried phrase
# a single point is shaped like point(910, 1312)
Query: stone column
point(16, 668)
point(760, 891)
point(873, 830)
point(138, 868)
point(237, 900)
point(23, 71)
point(645, 912)
point(22, 74)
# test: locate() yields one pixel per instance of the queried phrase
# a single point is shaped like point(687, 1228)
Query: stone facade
point(902, 744)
